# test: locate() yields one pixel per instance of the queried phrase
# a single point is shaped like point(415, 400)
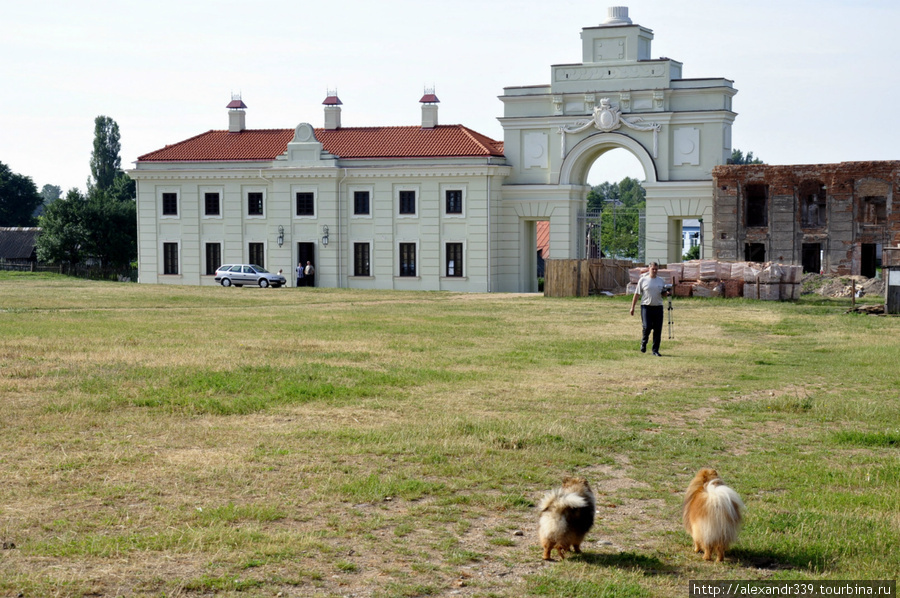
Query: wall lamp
point(280, 239)
point(325, 234)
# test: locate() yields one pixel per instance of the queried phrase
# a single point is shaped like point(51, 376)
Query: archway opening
point(613, 222)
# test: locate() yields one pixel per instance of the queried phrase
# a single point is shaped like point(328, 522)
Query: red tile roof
point(444, 141)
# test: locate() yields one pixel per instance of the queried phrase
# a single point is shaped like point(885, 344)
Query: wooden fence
point(580, 278)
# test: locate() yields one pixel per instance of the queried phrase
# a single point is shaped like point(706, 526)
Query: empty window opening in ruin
point(757, 212)
point(873, 209)
point(811, 258)
point(755, 252)
point(812, 205)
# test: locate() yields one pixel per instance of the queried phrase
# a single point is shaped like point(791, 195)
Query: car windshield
point(259, 269)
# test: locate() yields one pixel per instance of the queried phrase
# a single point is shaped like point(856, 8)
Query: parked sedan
point(241, 274)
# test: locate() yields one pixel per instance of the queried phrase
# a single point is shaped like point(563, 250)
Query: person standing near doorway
point(300, 274)
point(650, 289)
point(309, 275)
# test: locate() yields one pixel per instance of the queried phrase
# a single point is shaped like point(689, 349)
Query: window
point(213, 257)
point(755, 252)
point(361, 203)
point(454, 259)
point(407, 202)
point(407, 259)
point(757, 212)
point(874, 210)
point(256, 253)
point(361, 259)
point(212, 204)
point(255, 203)
point(169, 204)
point(306, 203)
point(454, 201)
point(170, 258)
point(812, 205)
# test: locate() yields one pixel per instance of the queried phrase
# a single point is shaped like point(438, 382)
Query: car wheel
point(226, 282)
point(263, 283)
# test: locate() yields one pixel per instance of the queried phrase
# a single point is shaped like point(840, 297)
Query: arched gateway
point(617, 97)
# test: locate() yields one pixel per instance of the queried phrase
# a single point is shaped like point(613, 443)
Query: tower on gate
point(616, 97)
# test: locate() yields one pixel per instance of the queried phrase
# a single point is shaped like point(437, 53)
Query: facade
point(436, 207)
point(831, 218)
point(373, 207)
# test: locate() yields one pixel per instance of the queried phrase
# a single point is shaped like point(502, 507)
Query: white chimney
point(332, 111)
point(237, 116)
point(429, 109)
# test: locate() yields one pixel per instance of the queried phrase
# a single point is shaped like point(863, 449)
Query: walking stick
point(669, 310)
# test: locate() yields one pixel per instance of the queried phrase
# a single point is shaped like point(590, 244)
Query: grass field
point(183, 441)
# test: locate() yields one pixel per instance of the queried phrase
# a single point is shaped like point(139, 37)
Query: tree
point(49, 194)
point(110, 233)
point(105, 160)
point(101, 225)
point(19, 198)
point(63, 234)
point(692, 254)
point(738, 157)
point(620, 205)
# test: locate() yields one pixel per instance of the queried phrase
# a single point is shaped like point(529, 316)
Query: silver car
point(241, 274)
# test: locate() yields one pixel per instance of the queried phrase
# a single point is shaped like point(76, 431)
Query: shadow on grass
point(626, 560)
point(811, 562)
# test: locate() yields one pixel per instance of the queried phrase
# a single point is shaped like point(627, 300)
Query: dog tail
point(724, 505)
point(559, 500)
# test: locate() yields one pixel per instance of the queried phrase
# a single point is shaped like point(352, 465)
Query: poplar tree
point(105, 161)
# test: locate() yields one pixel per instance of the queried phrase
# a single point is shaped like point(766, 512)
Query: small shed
point(18, 245)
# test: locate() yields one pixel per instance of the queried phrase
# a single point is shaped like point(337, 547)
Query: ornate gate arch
point(617, 97)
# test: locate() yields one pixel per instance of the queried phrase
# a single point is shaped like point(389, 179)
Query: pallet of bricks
point(710, 278)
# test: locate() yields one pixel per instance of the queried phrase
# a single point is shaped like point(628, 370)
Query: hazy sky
point(816, 79)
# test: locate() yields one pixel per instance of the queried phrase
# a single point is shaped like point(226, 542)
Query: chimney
point(429, 109)
point(332, 111)
point(237, 121)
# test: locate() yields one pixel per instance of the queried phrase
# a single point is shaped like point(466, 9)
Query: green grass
point(161, 441)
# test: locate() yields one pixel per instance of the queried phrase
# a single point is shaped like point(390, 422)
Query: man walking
point(650, 289)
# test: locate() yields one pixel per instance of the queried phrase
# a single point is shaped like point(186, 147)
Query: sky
point(816, 80)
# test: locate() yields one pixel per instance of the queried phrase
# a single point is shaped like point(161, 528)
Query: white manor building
point(439, 207)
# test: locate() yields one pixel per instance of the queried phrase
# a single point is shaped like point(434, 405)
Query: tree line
point(97, 227)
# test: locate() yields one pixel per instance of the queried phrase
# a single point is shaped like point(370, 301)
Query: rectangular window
point(306, 204)
point(407, 202)
point(170, 258)
point(213, 257)
point(407, 259)
point(361, 259)
point(257, 254)
point(454, 201)
point(812, 205)
point(361, 203)
point(755, 252)
point(874, 210)
point(212, 204)
point(169, 204)
point(255, 204)
point(757, 211)
point(454, 259)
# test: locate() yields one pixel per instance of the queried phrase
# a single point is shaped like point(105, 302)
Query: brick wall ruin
point(834, 218)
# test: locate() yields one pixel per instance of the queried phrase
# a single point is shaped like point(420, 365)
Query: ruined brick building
point(834, 218)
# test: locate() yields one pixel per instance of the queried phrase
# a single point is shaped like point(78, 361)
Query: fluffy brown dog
point(567, 514)
point(711, 514)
